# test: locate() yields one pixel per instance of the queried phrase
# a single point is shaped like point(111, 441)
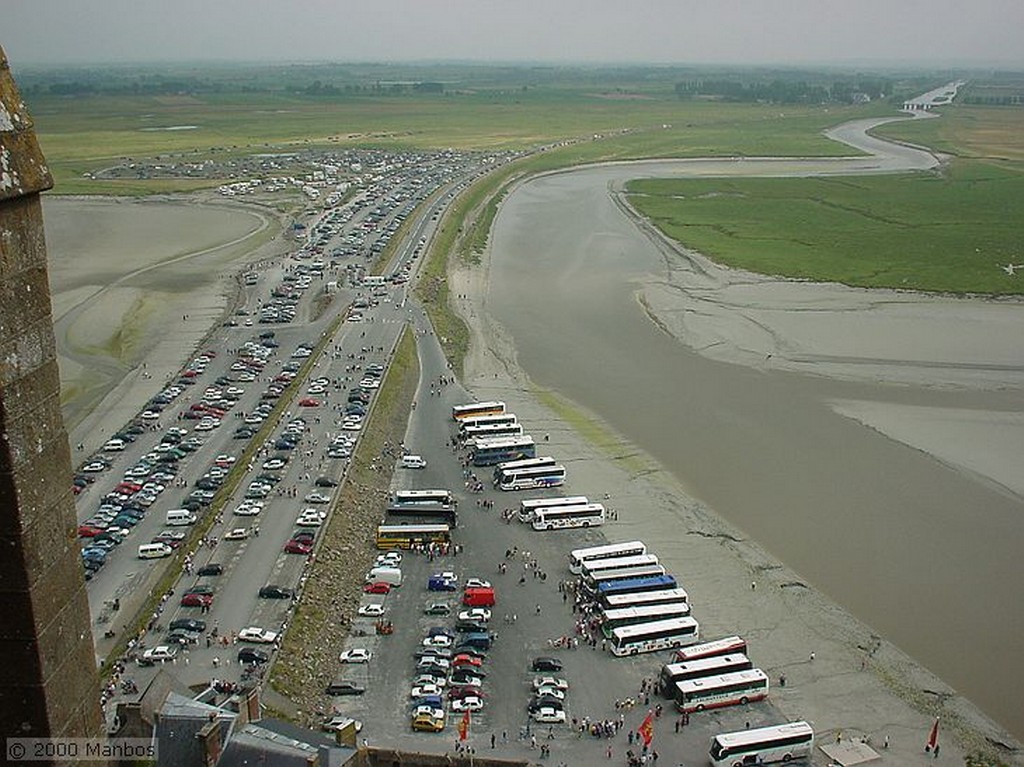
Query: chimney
point(210, 738)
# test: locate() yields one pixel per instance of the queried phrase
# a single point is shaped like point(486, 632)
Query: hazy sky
point(664, 31)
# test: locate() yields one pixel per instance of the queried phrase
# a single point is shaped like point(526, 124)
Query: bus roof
point(751, 675)
point(525, 463)
point(639, 629)
point(725, 646)
point(669, 610)
point(707, 665)
point(623, 585)
point(663, 596)
point(430, 528)
point(499, 443)
point(614, 563)
point(759, 734)
point(608, 548)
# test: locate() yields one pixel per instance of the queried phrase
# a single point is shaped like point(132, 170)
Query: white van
point(114, 444)
point(389, 575)
point(412, 462)
point(155, 551)
point(179, 517)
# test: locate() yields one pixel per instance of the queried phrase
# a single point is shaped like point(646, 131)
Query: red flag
point(646, 728)
point(933, 736)
point(464, 726)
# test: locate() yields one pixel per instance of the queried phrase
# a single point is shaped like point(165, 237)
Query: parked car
point(355, 655)
point(546, 664)
point(258, 635)
point(159, 654)
point(250, 655)
point(343, 687)
point(275, 592)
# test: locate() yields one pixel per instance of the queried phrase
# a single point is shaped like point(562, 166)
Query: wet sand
point(857, 436)
point(136, 285)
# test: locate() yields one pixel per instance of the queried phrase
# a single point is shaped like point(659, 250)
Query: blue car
point(437, 583)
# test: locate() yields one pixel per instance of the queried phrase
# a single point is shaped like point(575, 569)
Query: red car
point(297, 547)
point(309, 402)
point(88, 531)
point(377, 588)
point(466, 660)
point(197, 600)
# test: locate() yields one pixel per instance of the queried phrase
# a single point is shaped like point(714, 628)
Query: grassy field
point(948, 231)
point(85, 134)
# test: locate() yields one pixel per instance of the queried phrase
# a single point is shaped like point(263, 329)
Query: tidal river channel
point(926, 554)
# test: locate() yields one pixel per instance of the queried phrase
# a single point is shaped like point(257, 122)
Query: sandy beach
point(136, 286)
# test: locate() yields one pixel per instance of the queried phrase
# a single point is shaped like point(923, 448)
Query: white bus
point(428, 497)
point(523, 463)
point(737, 688)
point(608, 551)
point(492, 431)
point(592, 582)
point(662, 597)
point(727, 646)
point(475, 409)
point(530, 505)
point(650, 637)
point(695, 669)
point(765, 745)
point(630, 616)
point(560, 517)
point(491, 452)
point(595, 566)
point(531, 478)
point(504, 419)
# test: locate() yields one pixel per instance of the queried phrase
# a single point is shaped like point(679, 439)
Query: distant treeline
point(786, 91)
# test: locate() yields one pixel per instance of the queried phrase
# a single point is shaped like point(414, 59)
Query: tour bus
point(422, 513)
point(531, 478)
point(594, 580)
point(407, 536)
point(650, 637)
point(737, 688)
point(529, 505)
point(444, 497)
point(475, 409)
point(500, 450)
point(561, 517)
point(608, 551)
point(635, 586)
point(660, 597)
point(728, 646)
point(491, 431)
point(522, 463)
point(695, 669)
point(630, 616)
point(617, 563)
point(503, 419)
point(765, 745)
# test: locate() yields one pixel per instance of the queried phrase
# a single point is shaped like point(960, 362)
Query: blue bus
point(635, 585)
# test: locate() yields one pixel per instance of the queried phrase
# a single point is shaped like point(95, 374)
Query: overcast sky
point(788, 32)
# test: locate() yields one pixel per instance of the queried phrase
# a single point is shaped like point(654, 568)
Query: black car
point(189, 624)
point(342, 687)
point(325, 482)
point(200, 589)
point(433, 652)
point(546, 664)
point(438, 608)
point(183, 637)
point(467, 649)
point(275, 592)
point(544, 701)
point(462, 675)
point(215, 568)
point(470, 627)
point(433, 670)
point(252, 655)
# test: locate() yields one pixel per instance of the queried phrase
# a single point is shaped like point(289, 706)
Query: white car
point(477, 583)
point(352, 425)
point(249, 508)
point(369, 383)
point(438, 640)
point(309, 520)
point(552, 692)
point(357, 655)
point(475, 614)
point(257, 634)
point(547, 715)
point(372, 610)
point(418, 691)
point(412, 462)
point(468, 703)
point(315, 497)
point(550, 681)
point(389, 559)
point(431, 679)
point(238, 534)
point(437, 713)
point(159, 655)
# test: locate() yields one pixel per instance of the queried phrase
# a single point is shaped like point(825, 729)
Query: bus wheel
point(633, 651)
point(700, 706)
point(744, 701)
point(586, 524)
